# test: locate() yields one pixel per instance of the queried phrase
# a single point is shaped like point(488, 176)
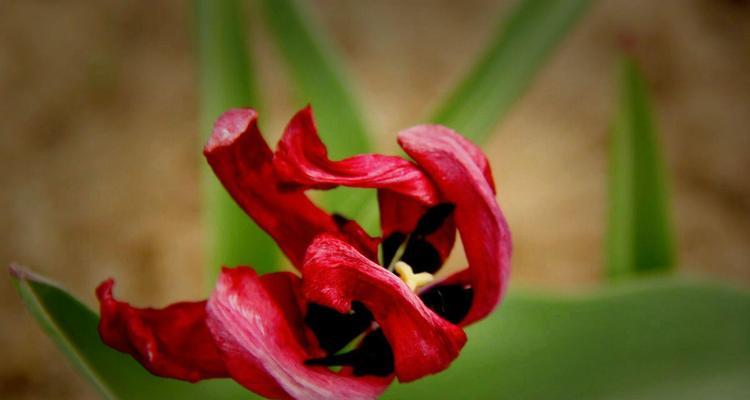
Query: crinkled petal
point(172, 342)
point(242, 161)
point(302, 159)
point(335, 274)
point(257, 325)
point(456, 167)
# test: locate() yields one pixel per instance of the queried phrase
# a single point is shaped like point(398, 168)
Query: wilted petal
point(302, 159)
point(335, 275)
point(242, 161)
point(173, 342)
point(461, 173)
point(258, 326)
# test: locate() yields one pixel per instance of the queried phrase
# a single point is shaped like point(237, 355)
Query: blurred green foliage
point(639, 236)
point(648, 340)
point(645, 339)
point(522, 43)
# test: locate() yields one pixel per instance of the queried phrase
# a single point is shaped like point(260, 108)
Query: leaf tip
point(17, 271)
point(21, 273)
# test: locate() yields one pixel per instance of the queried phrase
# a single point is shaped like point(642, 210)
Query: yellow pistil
point(412, 280)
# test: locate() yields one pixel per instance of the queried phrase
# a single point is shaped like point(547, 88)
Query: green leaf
point(320, 81)
point(523, 42)
point(73, 327)
point(225, 82)
point(656, 339)
point(661, 340)
point(639, 237)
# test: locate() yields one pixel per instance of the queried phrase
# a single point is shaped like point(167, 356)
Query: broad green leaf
point(663, 340)
point(639, 235)
point(644, 340)
point(319, 80)
point(225, 82)
point(73, 327)
point(523, 42)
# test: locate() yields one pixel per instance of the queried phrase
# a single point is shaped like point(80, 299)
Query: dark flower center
point(451, 302)
point(335, 330)
point(418, 252)
point(373, 355)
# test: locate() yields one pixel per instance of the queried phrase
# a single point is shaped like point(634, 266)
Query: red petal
point(398, 213)
point(173, 342)
point(356, 235)
point(460, 171)
point(242, 161)
point(474, 152)
point(257, 324)
point(423, 343)
point(301, 158)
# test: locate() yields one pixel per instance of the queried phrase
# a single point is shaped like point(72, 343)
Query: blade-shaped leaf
point(518, 50)
point(320, 81)
point(73, 327)
point(225, 82)
point(639, 233)
point(665, 340)
point(523, 42)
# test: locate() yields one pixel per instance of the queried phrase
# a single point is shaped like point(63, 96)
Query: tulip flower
point(351, 318)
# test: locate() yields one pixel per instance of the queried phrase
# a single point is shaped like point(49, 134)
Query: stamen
point(412, 280)
point(399, 253)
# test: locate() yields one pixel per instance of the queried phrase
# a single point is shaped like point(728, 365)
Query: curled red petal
point(475, 153)
point(335, 275)
point(257, 326)
point(242, 161)
point(173, 342)
point(456, 167)
point(398, 213)
point(302, 159)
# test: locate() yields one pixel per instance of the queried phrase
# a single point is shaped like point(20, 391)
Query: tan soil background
point(99, 146)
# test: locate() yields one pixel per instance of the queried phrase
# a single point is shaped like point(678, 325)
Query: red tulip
point(278, 334)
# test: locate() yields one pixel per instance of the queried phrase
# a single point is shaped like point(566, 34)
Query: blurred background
point(100, 150)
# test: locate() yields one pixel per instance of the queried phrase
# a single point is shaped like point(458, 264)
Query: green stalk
point(226, 82)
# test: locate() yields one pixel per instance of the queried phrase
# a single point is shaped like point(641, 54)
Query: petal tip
point(303, 121)
point(419, 133)
point(104, 290)
point(230, 125)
